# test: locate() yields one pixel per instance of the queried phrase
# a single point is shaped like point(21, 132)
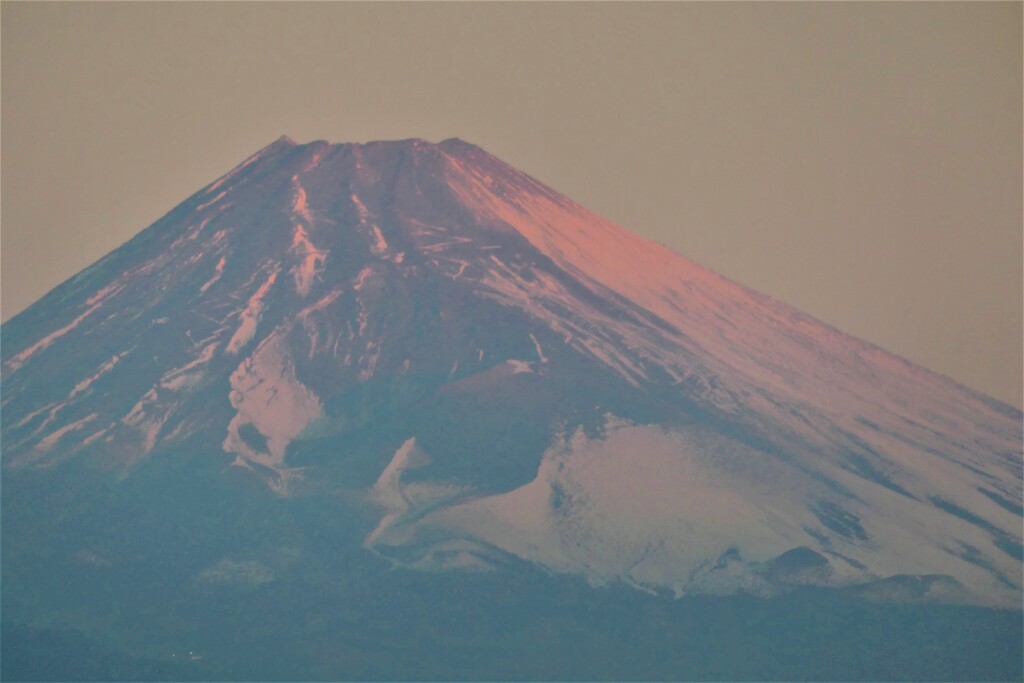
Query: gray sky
point(861, 161)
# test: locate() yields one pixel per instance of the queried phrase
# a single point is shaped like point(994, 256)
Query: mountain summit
point(489, 372)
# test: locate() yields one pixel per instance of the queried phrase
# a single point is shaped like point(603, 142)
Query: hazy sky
point(860, 161)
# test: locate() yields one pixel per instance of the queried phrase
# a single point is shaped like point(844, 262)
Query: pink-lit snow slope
point(777, 357)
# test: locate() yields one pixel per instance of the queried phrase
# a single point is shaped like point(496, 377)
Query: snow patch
point(361, 278)
point(104, 294)
point(49, 441)
point(300, 205)
point(134, 415)
point(267, 395)
point(360, 208)
point(185, 376)
point(311, 260)
point(660, 508)
point(641, 505)
point(79, 388)
point(462, 265)
point(540, 352)
point(519, 366)
point(191, 233)
point(19, 359)
point(379, 245)
point(314, 160)
point(217, 198)
point(321, 303)
point(250, 317)
point(34, 414)
point(369, 359)
point(90, 439)
point(309, 324)
point(102, 370)
point(400, 500)
point(217, 272)
point(148, 417)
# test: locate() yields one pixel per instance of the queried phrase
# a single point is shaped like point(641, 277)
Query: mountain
point(343, 362)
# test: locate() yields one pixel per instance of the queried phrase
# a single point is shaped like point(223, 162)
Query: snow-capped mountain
point(488, 370)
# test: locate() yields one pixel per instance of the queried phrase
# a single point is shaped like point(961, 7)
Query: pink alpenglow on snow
point(218, 271)
point(18, 360)
point(250, 316)
point(311, 261)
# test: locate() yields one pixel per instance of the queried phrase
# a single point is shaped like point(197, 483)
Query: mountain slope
point(487, 370)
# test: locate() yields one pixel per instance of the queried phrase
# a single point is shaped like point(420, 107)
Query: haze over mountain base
point(265, 588)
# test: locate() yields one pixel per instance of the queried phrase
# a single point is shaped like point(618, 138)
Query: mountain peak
point(450, 145)
point(456, 144)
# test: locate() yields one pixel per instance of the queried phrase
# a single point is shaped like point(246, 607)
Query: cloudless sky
point(861, 161)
